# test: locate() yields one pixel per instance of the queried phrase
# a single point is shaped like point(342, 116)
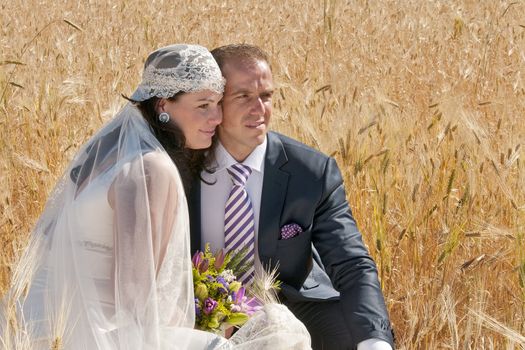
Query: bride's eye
point(204, 106)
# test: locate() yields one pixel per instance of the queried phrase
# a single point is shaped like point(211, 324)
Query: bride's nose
point(215, 117)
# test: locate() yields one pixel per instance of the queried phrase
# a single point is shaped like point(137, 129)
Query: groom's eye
point(267, 96)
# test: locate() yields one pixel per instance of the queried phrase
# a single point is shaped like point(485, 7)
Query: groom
point(286, 204)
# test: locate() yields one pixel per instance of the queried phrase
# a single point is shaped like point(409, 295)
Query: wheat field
point(421, 103)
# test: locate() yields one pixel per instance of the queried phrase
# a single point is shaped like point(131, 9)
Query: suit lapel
point(275, 183)
point(194, 208)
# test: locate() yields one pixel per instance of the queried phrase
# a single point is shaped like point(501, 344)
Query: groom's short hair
point(244, 52)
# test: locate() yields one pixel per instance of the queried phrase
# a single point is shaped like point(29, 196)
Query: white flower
point(228, 275)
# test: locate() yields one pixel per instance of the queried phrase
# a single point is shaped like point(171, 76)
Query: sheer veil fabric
point(109, 262)
point(113, 267)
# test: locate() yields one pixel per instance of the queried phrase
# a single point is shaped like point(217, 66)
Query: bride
point(108, 264)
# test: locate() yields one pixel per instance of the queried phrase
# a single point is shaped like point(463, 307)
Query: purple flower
point(241, 303)
point(225, 286)
point(197, 259)
point(197, 307)
point(209, 305)
point(203, 266)
point(251, 306)
point(238, 296)
point(219, 259)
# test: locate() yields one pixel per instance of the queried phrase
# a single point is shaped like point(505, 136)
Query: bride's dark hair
point(190, 162)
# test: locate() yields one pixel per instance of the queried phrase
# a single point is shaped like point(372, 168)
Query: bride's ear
point(159, 105)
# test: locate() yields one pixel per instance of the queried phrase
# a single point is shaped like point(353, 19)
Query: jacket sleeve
point(351, 269)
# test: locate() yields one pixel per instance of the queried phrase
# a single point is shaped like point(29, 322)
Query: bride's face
point(197, 114)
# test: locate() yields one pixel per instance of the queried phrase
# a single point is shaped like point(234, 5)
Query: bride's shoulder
point(158, 165)
point(157, 159)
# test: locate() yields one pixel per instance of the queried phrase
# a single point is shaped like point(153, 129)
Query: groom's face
point(246, 106)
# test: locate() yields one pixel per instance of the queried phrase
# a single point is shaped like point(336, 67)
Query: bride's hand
point(229, 332)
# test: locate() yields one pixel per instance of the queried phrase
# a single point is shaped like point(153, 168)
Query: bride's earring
point(164, 117)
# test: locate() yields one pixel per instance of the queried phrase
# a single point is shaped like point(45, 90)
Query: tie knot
point(239, 173)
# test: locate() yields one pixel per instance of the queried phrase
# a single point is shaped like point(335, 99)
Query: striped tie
point(239, 225)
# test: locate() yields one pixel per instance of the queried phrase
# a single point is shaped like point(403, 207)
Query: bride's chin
point(199, 146)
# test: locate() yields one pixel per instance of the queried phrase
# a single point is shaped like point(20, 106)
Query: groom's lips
point(258, 124)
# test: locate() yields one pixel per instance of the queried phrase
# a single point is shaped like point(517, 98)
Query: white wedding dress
point(108, 265)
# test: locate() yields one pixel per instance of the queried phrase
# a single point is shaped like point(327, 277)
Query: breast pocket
point(295, 258)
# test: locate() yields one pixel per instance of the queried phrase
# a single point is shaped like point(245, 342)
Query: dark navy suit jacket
point(328, 260)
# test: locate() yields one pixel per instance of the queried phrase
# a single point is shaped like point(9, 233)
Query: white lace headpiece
point(176, 68)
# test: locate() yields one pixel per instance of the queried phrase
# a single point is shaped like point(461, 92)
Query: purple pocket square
point(290, 230)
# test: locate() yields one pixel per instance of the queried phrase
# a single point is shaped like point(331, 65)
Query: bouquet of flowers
point(220, 300)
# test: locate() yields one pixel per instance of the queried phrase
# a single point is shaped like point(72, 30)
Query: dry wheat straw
point(420, 102)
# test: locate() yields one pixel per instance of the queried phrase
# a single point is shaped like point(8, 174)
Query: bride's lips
point(210, 133)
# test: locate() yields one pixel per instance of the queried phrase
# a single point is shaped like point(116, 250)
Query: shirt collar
point(255, 160)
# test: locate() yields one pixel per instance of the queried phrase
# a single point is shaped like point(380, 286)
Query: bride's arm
point(163, 196)
point(144, 197)
point(153, 275)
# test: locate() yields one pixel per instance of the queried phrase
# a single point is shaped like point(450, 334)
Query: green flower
point(235, 286)
point(201, 291)
point(214, 322)
point(237, 319)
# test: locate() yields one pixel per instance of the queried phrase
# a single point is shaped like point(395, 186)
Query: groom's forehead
point(248, 79)
point(241, 62)
point(246, 69)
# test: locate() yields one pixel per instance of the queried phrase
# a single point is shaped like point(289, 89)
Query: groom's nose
point(258, 107)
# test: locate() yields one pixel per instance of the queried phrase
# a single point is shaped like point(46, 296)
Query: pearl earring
point(164, 117)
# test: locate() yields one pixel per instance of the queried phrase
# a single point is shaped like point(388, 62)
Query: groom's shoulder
point(294, 146)
point(299, 154)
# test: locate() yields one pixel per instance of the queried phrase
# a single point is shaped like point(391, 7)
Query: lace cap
point(176, 68)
